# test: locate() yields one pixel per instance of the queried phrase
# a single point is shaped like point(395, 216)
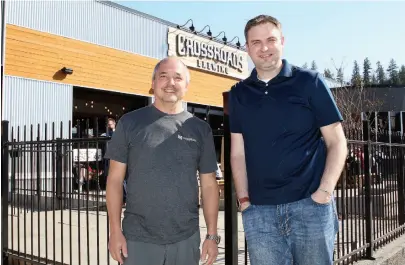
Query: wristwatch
point(216, 238)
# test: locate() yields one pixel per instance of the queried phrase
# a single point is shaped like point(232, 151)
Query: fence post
point(59, 157)
point(4, 189)
point(231, 211)
point(367, 190)
point(401, 186)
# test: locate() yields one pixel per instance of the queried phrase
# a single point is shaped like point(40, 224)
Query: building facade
point(94, 59)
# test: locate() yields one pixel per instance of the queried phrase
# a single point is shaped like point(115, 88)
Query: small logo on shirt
point(186, 138)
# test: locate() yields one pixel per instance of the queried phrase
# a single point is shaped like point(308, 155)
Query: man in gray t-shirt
point(162, 146)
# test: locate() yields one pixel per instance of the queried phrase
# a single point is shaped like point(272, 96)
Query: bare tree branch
point(352, 101)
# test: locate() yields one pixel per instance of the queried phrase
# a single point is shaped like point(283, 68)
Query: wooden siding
point(39, 55)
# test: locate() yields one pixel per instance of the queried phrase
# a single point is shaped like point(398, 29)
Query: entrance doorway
point(93, 107)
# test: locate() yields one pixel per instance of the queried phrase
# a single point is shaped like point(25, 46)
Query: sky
point(332, 33)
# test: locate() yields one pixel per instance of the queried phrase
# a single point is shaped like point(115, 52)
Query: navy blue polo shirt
point(280, 122)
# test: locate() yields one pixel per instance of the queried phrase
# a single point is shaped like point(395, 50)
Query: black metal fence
point(54, 209)
point(53, 197)
point(369, 197)
point(53, 194)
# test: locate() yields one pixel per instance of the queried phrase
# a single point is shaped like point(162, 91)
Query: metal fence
point(369, 197)
point(54, 209)
point(53, 195)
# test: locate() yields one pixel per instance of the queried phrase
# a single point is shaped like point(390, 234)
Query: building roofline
point(165, 22)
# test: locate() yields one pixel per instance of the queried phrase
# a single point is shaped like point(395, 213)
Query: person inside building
point(162, 146)
point(110, 128)
point(288, 150)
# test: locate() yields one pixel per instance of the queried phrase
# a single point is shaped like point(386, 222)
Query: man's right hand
point(118, 246)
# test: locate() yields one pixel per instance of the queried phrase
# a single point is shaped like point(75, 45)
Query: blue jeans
point(297, 233)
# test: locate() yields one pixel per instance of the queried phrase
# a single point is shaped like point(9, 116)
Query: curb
point(391, 254)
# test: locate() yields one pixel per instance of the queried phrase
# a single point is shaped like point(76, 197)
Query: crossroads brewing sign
point(207, 54)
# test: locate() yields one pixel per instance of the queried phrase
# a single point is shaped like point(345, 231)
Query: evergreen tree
point(313, 66)
point(374, 80)
point(366, 72)
point(401, 75)
point(339, 76)
point(356, 77)
point(380, 74)
point(305, 66)
point(393, 73)
point(328, 73)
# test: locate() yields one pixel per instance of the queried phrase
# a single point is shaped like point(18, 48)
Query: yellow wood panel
point(38, 55)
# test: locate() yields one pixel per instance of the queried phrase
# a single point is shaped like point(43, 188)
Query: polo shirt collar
point(286, 71)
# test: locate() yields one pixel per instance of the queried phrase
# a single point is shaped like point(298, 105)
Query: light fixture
point(123, 108)
point(86, 103)
point(238, 43)
point(105, 107)
point(224, 39)
point(67, 71)
point(91, 102)
point(209, 33)
point(192, 28)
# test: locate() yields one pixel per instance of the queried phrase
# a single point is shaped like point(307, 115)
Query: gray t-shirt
point(163, 153)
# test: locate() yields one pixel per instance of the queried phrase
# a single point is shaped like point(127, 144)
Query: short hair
point(259, 20)
point(111, 119)
point(166, 59)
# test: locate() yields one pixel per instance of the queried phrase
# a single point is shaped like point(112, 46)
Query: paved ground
point(85, 246)
point(80, 237)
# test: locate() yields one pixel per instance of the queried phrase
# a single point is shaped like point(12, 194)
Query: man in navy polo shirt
point(288, 150)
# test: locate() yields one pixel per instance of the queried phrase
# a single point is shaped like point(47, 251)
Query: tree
point(393, 73)
point(367, 72)
point(374, 80)
point(356, 78)
point(328, 73)
point(313, 66)
point(354, 101)
point(380, 74)
point(339, 75)
point(401, 75)
point(305, 66)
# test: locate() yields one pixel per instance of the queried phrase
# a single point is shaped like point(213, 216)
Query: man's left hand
point(209, 248)
point(321, 197)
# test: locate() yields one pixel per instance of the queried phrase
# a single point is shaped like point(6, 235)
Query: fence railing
point(54, 209)
point(370, 197)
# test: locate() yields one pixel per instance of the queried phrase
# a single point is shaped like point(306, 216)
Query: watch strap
point(216, 238)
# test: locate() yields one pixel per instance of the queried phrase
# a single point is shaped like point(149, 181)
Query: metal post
point(401, 122)
point(368, 200)
point(401, 185)
point(59, 157)
point(231, 211)
point(4, 189)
